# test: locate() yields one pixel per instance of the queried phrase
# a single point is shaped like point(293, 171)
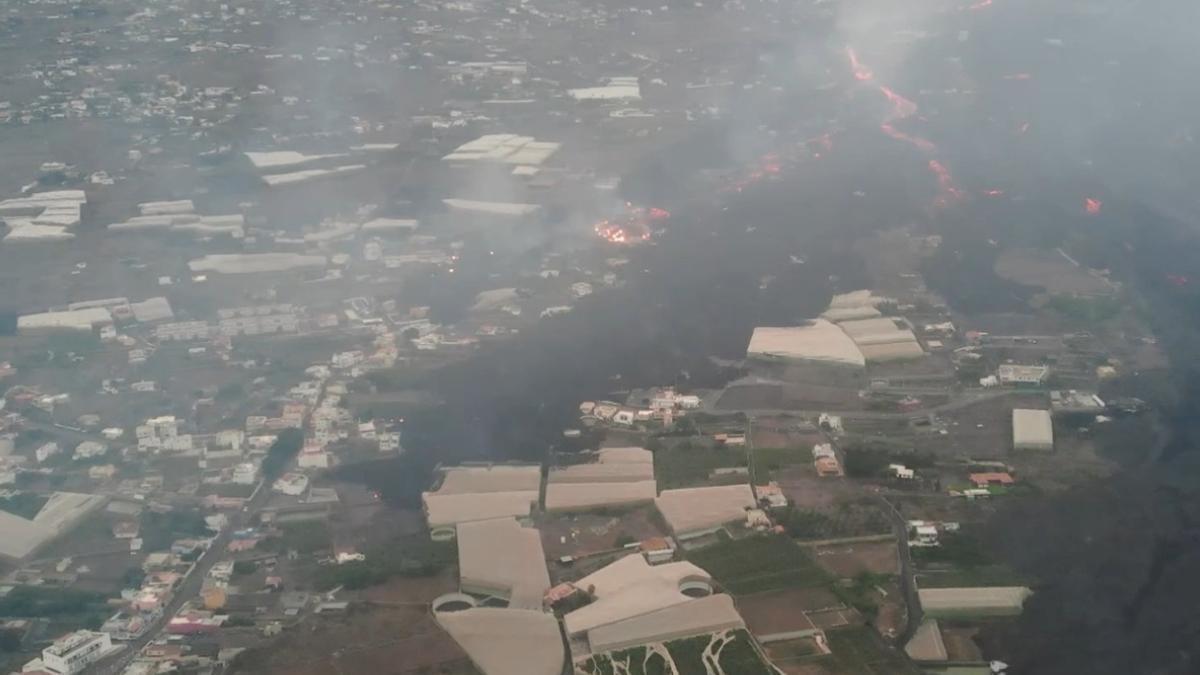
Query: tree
point(865, 462)
point(805, 524)
point(685, 426)
point(133, 577)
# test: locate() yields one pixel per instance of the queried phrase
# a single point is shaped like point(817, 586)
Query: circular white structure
point(453, 602)
point(696, 587)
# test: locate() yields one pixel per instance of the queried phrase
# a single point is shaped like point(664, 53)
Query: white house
point(245, 473)
point(292, 484)
point(1022, 375)
point(46, 451)
point(230, 438)
point(625, 417)
point(924, 533)
point(366, 430)
point(313, 457)
point(389, 441)
point(74, 652)
point(90, 449)
point(180, 443)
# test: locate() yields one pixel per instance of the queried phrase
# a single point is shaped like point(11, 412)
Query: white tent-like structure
point(507, 641)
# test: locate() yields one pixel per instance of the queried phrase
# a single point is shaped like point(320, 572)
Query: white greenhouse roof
point(507, 641)
point(694, 617)
point(453, 509)
point(568, 496)
point(20, 537)
point(819, 341)
point(503, 557)
point(493, 478)
point(628, 588)
point(694, 509)
point(1032, 428)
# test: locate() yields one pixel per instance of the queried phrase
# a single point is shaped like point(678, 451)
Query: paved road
point(961, 401)
point(908, 583)
point(62, 432)
point(190, 588)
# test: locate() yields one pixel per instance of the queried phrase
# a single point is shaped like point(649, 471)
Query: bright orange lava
point(903, 108)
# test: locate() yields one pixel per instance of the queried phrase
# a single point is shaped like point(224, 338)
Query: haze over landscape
point(497, 337)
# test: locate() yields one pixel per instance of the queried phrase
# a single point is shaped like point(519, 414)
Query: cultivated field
point(1049, 270)
point(776, 612)
point(724, 653)
point(861, 651)
point(401, 641)
point(845, 561)
point(760, 563)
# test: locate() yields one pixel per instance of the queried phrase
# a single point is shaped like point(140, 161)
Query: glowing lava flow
point(923, 144)
point(773, 163)
point(769, 164)
point(632, 227)
point(861, 72)
point(949, 191)
point(903, 108)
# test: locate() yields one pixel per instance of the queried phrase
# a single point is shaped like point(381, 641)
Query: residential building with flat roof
point(1013, 374)
point(72, 653)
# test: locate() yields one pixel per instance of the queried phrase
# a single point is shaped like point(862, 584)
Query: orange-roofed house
point(992, 478)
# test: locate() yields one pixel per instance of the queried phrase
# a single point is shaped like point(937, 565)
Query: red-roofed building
point(992, 478)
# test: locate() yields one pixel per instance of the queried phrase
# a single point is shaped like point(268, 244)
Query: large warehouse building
point(976, 601)
point(20, 537)
point(502, 559)
point(1032, 430)
point(819, 342)
point(619, 476)
point(635, 603)
point(883, 339)
point(849, 335)
point(471, 493)
point(503, 641)
point(695, 512)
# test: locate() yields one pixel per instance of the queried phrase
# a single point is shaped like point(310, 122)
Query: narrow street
point(908, 584)
point(190, 588)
